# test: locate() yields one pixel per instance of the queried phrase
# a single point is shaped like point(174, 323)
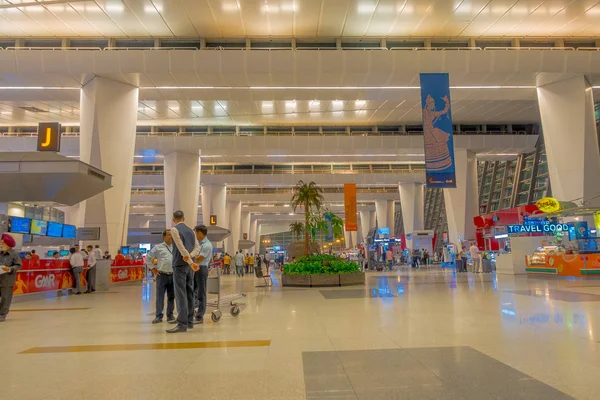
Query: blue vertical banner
point(437, 131)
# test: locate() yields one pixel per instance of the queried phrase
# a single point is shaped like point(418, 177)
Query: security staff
point(201, 276)
point(160, 260)
point(10, 263)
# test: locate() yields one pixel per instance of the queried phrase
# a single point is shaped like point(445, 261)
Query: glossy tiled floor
point(427, 334)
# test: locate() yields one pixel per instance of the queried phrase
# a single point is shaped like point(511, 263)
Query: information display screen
point(20, 225)
point(39, 227)
point(69, 231)
point(63, 253)
point(142, 250)
point(55, 229)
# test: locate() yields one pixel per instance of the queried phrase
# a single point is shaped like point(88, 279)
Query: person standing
point(90, 275)
point(361, 260)
point(76, 262)
point(201, 275)
point(10, 263)
point(251, 263)
point(239, 263)
point(227, 263)
point(34, 255)
point(98, 253)
point(475, 256)
point(389, 258)
point(185, 248)
point(160, 261)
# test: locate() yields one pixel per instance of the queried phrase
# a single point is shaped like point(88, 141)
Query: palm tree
point(309, 197)
point(297, 229)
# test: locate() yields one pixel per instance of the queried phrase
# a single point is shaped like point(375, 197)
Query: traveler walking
point(475, 256)
point(10, 263)
point(227, 263)
point(160, 261)
point(185, 248)
point(76, 262)
point(239, 263)
point(90, 272)
point(201, 275)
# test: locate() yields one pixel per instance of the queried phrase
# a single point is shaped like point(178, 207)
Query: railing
point(267, 190)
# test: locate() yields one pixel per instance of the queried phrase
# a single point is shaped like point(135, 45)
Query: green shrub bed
point(321, 264)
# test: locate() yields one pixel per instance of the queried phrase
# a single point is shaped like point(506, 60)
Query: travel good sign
point(549, 229)
point(48, 136)
point(548, 204)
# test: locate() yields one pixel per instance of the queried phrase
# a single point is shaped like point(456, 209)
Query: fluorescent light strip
point(326, 87)
point(38, 88)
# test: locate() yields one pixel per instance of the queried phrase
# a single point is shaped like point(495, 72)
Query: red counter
point(53, 275)
point(45, 276)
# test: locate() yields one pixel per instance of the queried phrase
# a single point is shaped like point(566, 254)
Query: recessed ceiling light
point(360, 103)
point(337, 103)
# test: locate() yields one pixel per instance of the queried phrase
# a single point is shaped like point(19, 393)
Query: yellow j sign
point(48, 136)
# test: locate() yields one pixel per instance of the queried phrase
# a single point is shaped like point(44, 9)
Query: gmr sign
point(42, 281)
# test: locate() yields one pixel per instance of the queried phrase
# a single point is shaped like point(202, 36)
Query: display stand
point(514, 263)
point(103, 275)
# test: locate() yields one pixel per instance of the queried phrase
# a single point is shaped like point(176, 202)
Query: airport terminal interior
point(388, 199)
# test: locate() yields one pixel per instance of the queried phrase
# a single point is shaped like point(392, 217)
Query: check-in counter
point(38, 276)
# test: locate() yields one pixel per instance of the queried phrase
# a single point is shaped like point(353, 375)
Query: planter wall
point(324, 280)
point(295, 280)
point(357, 278)
point(320, 280)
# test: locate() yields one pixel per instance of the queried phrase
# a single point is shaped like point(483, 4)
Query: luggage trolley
point(217, 234)
point(214, 287)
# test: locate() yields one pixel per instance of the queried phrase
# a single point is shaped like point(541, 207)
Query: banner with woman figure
point(437, 131)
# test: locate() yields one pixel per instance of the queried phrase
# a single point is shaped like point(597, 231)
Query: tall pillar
point(347, 239)
point(412, 201)
point(570, 137)
point(252, 235)
point(365, 223)
point(381, 210)
point(245, 228)
point(235, 216)
point(354, 237)
point(108, 115)
point(391, 216)
point(182, 186)
point(462, 202)
point(258, 234)
point(214, 202)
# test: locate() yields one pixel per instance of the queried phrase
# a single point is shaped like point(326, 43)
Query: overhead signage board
point(88, 233)
point(350, 209)
point(548, 229)
point(213, 220)
point(48, 136)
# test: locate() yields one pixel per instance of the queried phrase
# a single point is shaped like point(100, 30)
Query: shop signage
point(351, 223)
point(437, 130)
point(541, 228)
point(548, 204)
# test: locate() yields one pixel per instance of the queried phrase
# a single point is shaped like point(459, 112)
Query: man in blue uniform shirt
point(201, 276)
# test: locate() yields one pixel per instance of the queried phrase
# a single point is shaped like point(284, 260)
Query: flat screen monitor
point(39, 227)
point(55, 229)
point(383, 231)
point(19, 225)
point(142, 250)
point(69, 231)
point(63, 253)
point(125, 250)
point(50, 253)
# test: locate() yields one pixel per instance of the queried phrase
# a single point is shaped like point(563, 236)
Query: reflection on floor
point(427, 334)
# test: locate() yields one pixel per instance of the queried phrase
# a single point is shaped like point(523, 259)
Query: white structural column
point(214, 202)
point(381, 210)
point(182, 186)
point(253, 233)
point(258, 234)
point(462, 202)
point(412, 201)
point(391, 216)
point(347, 239)
point(354, 237)
point(365, 223)
point(108, 113)
point(567, 111)
point(245, 225)
point(235, 217)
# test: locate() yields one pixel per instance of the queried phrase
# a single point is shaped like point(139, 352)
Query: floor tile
point(561, 295)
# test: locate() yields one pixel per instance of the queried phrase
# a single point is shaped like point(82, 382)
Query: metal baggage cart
point(214, 287)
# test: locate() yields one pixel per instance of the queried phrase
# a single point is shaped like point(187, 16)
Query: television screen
point(50, 253)
point(69, 231)
point(39, 227)
point(383, 231)
point(124, 250)
point(54, 229)
point(142, 250)
point(63, 253)
point(19, 225)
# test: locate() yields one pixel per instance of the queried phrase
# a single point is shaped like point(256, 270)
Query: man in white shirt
point(90, 274)
point(474, 250)
point(98, 253)
point(239, 263)
point(76, 262)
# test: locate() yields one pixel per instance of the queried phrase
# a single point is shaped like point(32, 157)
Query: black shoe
point(157, 320)
point(78, 293)
point(171, 319)
point(177, 329)
point(190, 326)
point(2, 318)
point(88, 291)
point(199, 320)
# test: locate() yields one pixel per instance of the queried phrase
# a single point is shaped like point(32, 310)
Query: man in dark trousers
point(10, 263)
point(201, 276)
point(186, 247)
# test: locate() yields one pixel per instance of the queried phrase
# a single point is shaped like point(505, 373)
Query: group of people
point(180, 264)
point(244, 263)
point(77, 261)
point(420, 257)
